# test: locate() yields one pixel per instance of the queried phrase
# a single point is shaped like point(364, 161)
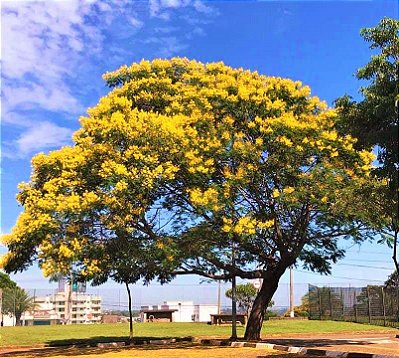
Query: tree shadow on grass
point(318, 342)
point(95, 351)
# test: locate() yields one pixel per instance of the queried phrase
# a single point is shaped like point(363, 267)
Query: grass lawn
point(53, 335)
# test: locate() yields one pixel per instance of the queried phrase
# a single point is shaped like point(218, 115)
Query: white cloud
point(201, 7)
point(32, 95)
point(168, 45)
point(15, 119)
point(45, 45)
point(44, 135)
point(158, 8)
point(44, 42)
point(136, 22)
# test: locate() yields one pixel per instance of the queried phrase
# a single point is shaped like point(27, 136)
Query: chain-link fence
point(371, 304)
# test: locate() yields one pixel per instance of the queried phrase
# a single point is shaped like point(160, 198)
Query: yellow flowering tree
point(220, 172)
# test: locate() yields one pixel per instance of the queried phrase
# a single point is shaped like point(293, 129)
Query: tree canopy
point(6, 282)
point(245, 295)
point(16, 301)
point(374, 119)
point(217, 171)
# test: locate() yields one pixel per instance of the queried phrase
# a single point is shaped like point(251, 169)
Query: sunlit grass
point(56, 334)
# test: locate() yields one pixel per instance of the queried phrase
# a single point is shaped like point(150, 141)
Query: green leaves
point(16, 301)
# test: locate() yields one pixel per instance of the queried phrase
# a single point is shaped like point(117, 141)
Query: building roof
point(158, 310)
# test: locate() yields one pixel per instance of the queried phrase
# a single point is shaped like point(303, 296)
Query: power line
point(367, 266)
point(342, 277)
point(356, 260)
point(367, 252)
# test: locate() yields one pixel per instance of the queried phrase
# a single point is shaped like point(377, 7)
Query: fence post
point(354, 304)
point(383, 305)
point(331, 306)
point(15, 308)
point(368, 303)
point(320, 309)
point(343, 305)
point(34, 307)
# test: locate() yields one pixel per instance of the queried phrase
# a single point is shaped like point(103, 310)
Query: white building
point(63, 307)
point(178, 311)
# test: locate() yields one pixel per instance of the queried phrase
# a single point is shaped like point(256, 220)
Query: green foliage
point(303, 309)
point(374, 120)
point(392, 281)
point(16, 301)
point(245, 295)
point(269, 313)
point(6, 282)
point(323, 300)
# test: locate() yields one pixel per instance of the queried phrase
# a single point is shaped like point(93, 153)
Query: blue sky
point(53, 54)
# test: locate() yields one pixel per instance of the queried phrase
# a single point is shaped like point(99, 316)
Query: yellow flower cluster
point(245, 225)
point(207, 199)
point(284, 140)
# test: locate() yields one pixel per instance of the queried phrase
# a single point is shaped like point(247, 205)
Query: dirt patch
point(178, 350)
point(384, 343)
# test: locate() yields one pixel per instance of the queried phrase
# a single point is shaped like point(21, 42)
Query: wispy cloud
point(44, 42)
point(47, 44)
point(42, 136)
point(167, 46)
point(161, 8)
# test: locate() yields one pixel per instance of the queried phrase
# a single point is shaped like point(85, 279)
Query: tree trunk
point(18, 319)
point(233, 309)
point(130, 312)
point(262, 300)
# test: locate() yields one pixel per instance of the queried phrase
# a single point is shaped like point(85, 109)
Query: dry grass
point(179, 350)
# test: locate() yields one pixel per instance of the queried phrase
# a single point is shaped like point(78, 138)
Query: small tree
point(303, 309)
point(245, 296)
point(6, 282)
point(129, 259)
point(392, 281)
point(16, 301)
point(324, 301)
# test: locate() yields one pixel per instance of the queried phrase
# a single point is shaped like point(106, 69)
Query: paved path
point(382, 343)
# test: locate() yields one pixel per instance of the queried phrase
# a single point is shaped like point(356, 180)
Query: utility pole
point(233, 308)
point(34, 306)
point(233, 299)
point(219, 297)
point(292, 314)
point(68, 310)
